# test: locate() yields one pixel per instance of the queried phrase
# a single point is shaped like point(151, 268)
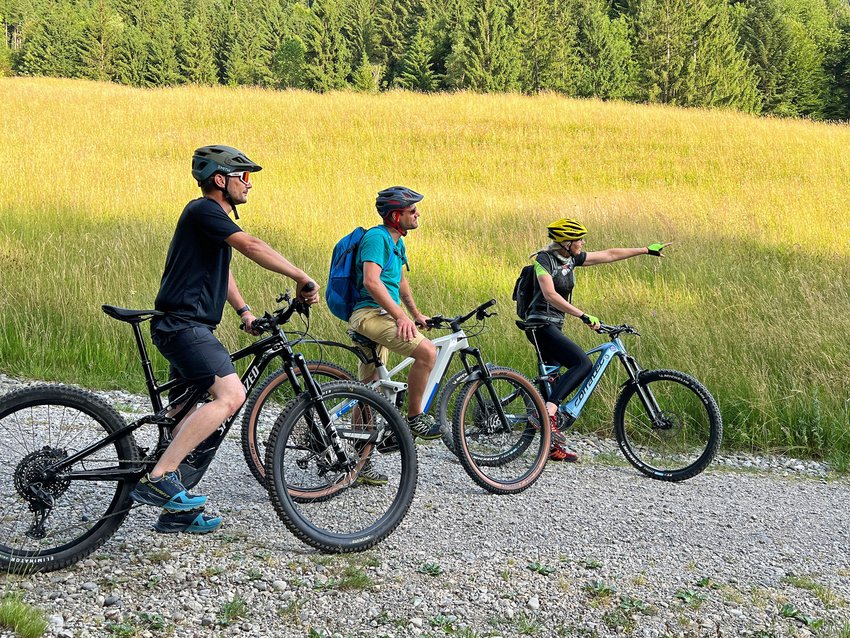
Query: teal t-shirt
point(377, 246)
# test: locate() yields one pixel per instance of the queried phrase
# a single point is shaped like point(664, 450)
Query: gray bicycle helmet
point(395, 198)
point(209, 160)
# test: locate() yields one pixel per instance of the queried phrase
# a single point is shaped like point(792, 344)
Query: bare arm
point(547, 287)
point(406, 297)
point(235, 299)
point(617, 254)
point(260, 252)
point(612, 254)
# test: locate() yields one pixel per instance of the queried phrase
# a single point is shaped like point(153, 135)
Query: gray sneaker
point(424, 426)
point(370, 476)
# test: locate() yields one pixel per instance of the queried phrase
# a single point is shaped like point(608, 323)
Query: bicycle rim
point(40, 426)
point(685, 435)
point(265, 405)
point(504, 456)
point(330, 505)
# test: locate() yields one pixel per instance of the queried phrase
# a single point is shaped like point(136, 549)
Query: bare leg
point(228, 395)
point(424, 358)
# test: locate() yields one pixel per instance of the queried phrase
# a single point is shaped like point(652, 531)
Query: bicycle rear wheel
point(265, 405)
point(683, 437)
point(503, 454)
point(49, 523)
point(319, 496)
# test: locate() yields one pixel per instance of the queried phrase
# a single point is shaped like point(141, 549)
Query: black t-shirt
point(194, 285)
point(563, 278)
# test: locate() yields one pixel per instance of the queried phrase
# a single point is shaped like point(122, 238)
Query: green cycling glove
point(655, 249)
point(590, 319)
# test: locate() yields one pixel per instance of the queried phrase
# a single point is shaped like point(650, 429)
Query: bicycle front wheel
point(501, 432)
point(667, 425)
point(50, 521)
point(265, 405)
point(450, 391)
point(347, 502)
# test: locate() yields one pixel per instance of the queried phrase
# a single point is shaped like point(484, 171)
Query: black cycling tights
point(556, 349)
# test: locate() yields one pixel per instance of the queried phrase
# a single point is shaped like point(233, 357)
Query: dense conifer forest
point(781, 57)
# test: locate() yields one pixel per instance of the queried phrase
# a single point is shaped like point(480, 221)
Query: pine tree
point(788, 65)
point(366, 76)
point(53, 47)
point(837, 64)
point(162, 68)
point(494, 63)
point(100, 37)
point(328, 57)
point(361, 29)
point(605, 64)
point(664, 33)
point(197, 64)
point(396, 23)
point(131, 57)
point(547, 39)
point(417, 73)
point(456, 76)
point(288, 65)
point(722, 75)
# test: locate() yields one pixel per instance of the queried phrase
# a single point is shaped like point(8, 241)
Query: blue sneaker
point(192, 522)
point(166, 492)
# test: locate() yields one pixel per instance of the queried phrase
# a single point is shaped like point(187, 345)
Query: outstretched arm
point(617, 254)
point(260, 252)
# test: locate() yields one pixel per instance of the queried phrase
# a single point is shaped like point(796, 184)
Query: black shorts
point(194, 354)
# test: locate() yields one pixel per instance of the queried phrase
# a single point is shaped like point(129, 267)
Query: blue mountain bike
point(666, 423)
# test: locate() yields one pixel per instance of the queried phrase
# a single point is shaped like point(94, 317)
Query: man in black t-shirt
point(195, 285)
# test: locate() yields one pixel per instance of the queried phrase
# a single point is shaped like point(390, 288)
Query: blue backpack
point(341, 293)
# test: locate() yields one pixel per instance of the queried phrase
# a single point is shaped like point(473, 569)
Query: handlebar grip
point(308, 287)
point(487, 304)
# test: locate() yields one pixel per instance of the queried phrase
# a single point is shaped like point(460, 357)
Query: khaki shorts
point(382, 329)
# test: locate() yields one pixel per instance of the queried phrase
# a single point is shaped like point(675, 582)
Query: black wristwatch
point(243, 310)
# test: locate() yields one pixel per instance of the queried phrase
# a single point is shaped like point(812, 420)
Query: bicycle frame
point(606, 352)
point(263, 350)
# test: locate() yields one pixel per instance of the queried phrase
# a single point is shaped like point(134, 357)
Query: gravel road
point(754, 546)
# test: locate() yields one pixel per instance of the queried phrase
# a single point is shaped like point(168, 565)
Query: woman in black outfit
point(555, 269)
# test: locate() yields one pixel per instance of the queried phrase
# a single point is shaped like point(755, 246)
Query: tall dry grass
point(752, 299)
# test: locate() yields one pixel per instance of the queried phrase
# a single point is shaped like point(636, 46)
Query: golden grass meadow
point(752, 298)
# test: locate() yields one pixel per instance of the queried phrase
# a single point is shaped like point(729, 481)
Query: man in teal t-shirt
point(379, 314)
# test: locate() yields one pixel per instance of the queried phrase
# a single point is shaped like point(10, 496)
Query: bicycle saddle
point(360, 339)
point(130, 316)
point(530, 325)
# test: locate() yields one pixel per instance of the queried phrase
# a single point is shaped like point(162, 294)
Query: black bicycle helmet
point(209, 160)
point(395, 198)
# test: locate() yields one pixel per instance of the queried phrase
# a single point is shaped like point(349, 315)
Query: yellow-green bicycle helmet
point(567, 229)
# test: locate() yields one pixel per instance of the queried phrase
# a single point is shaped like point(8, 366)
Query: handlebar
point(438, 321)
point(616, 331)
point(268, 322)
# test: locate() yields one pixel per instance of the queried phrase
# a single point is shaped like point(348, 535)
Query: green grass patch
point(24, 619)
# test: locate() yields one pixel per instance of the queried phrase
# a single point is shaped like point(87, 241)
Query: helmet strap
point(392, 220)
point(226, 194)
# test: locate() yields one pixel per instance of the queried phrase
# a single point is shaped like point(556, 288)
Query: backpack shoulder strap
point(395, 250)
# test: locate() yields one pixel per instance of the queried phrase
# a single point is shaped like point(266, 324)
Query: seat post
point(156, 401)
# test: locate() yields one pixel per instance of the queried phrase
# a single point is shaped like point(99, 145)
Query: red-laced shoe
point(562, 453)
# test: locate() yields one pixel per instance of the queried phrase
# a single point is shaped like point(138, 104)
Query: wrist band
point(243, 310)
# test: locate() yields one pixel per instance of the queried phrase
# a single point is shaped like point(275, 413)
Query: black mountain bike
point(69, 461)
